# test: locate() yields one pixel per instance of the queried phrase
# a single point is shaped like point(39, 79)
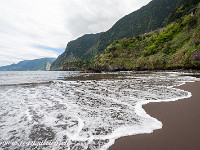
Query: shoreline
point(180, 121)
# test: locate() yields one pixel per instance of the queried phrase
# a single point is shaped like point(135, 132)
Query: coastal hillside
point(177, 45)
point(30, 65)
point(185, 7)
point(79, 49)
point(146, 19)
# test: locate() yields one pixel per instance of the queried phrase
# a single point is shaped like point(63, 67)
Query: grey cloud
point(54, 23)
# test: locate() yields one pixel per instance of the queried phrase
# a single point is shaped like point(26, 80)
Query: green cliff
point(79, 49)
point(177, 45)
point(146, 19)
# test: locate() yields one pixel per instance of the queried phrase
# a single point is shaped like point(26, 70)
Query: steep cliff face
point(175, 46)
point(30, 65)
point(148, 18)
point(79, 49)
point(48, 66)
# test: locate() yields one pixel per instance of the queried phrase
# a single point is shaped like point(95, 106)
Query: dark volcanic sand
point(181, 125)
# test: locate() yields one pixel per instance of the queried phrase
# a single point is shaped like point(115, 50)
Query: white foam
point(88, 114)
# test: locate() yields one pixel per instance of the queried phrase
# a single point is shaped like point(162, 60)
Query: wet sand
point(181, 125)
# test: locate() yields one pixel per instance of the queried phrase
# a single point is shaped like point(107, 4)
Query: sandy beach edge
point(181, 125)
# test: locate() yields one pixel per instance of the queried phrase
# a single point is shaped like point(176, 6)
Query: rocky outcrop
point(196, 56)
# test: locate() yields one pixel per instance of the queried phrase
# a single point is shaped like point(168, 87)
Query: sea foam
point(85, 114)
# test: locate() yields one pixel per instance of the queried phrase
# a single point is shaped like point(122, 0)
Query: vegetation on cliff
point(184, 8)
point(146, 19)
point(77, 51)
point(175, 46)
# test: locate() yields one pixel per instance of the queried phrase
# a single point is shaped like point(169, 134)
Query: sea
point(74, 111)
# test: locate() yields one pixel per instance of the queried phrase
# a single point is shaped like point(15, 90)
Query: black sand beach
point(181, 125)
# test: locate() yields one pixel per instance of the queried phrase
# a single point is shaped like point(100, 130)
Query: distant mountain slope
point(79, 49)
point(148, 18)
point(30, 65)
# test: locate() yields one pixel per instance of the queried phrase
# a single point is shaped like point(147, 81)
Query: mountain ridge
point(30, 65)
point(154, 12)
point(77, 50)
point(176, 46)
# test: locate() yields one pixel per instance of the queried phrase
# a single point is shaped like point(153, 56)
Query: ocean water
point(77, 111)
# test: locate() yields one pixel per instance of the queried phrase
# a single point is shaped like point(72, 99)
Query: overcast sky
point(31, 29)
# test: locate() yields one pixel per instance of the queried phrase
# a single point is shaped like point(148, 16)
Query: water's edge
point(140, 111)
point(85, 111)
